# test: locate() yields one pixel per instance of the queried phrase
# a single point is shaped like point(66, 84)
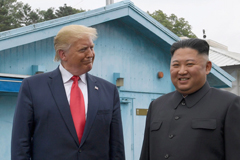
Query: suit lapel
point(57, 88)
point(93, 102)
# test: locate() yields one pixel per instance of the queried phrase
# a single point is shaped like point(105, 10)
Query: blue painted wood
point(19, 60)
point(10, 84)
point(128, 128)
point(7, 106)
point(139, 100)
point(119, 49)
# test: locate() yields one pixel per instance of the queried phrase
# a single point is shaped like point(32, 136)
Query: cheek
point(195, 71)
point(173, 72)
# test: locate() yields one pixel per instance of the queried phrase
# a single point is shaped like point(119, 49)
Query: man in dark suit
point(195, 122)
point(59, 117)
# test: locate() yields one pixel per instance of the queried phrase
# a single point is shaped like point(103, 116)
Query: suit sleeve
point(232, 131)
point(116, 135)
point(145, 147)
point(22, 125)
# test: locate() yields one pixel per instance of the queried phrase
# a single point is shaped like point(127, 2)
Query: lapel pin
point(96, 87)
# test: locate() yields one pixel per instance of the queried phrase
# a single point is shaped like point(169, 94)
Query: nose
point(91, 53)
point(182, 70)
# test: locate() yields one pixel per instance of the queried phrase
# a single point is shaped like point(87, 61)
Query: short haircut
point(70, 34)
point(194, 43)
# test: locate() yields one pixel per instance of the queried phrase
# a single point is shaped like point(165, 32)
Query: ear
point(62, 55)
point(208, 67)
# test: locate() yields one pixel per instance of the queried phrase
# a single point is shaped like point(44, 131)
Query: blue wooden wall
point(138, 59)
point(19, 60)
point(119, 49)
point(7, 106)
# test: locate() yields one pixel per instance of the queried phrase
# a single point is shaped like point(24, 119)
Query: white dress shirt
point(82, 83)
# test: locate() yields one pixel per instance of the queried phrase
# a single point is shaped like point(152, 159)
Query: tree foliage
point(6, 19)
point(178, 26)
point(66, 10)
point(24, 15)
point(48, 14)
point(15, 14)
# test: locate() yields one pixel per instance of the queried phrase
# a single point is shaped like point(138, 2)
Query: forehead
point(83, 41)
point(186, 54)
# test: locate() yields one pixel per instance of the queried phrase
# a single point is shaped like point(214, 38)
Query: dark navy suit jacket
point(43, 128)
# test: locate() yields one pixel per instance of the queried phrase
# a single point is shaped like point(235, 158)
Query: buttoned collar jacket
point(203, 126)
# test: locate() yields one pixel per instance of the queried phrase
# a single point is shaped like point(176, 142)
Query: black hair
point(194, 43)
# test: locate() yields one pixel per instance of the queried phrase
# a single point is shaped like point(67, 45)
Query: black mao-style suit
point(43, 128)
point(203, 126)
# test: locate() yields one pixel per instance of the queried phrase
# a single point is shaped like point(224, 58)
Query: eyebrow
point(186, 60)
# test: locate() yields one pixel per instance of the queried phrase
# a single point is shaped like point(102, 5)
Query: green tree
point(6, 19)
point(24, 15)
point(48, 15)
point(178, 26)
point(66, 11)
point(14, 14)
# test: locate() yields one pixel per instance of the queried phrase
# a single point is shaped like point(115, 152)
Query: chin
point(88, 68)
point(183, 90)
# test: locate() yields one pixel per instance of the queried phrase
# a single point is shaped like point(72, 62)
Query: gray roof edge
point(67, 19)
point(233, 55)
point(223, 73)
point(13, 75)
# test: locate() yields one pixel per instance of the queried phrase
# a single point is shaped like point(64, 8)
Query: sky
point(219, 18)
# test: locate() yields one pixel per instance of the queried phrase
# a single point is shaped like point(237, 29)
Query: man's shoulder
point(165, 97)
point(222, 93)
point(41, 76)
point(100, 80)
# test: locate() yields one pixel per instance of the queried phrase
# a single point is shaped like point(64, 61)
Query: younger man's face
point(189, 70)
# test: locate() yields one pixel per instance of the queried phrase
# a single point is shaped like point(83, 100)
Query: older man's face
point(189, 70)
point(80, 56)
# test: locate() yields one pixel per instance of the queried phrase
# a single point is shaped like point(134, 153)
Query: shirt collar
point(195, 97)
point(190, 99)
point(66, 76)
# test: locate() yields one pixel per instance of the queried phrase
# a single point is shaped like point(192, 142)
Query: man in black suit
point(68, 114)
point(195, 122)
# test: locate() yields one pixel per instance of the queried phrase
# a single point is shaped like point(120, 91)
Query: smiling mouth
point(88, 60)
point(183, 79)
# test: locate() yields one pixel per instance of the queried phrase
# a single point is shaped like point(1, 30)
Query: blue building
point(132, 51)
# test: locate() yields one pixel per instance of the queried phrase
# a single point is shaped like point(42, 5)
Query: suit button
point(183, 103)
point(79, 150)
point(171, 136)
point(177, 118)
point(166, 156)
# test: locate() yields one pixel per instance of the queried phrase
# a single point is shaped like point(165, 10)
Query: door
point(127, 121)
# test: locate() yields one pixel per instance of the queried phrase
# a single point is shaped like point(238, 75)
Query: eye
point(190, 64)
point(83, 49)
point(175, 65)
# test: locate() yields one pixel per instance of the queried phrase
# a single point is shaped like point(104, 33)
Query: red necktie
point(77, 107)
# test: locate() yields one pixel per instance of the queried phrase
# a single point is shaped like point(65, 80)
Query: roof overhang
point(124, 9)
point(219, 78)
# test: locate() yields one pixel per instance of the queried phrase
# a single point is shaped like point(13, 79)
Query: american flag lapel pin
point(96, 87)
